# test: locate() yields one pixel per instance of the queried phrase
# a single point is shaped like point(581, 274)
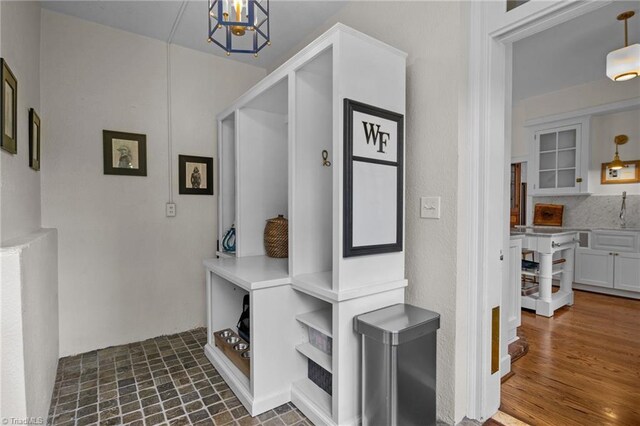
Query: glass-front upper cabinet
point(560, 158)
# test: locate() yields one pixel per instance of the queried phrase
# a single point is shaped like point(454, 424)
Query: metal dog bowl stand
point(398, 365)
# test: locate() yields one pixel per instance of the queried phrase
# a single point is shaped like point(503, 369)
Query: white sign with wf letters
point(374, 137)
point(373, 209)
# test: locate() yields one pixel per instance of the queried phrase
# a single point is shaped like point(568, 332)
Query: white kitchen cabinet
point(560, 162)
point(626, 271)
point(594, 267)
point(612, 264)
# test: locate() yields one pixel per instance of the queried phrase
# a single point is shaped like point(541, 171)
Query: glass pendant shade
point(239, 26)
point(624, 64)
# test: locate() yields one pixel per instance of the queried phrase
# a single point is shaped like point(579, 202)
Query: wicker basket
point(276, 237)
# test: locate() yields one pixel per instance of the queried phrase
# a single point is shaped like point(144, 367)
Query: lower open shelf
point(312, 401)
point(236, 380)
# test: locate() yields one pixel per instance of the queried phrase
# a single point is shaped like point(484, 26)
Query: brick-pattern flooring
point(166, 380)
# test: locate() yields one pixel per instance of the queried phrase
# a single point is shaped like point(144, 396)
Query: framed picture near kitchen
point(195, 175)
point(8, 109)
point(630, 173)
point(373, 170)
point(124, 153)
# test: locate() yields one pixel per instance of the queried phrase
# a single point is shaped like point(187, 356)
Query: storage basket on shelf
point(276, 237)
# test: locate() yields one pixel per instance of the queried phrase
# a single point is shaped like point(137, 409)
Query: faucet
point(623, 210)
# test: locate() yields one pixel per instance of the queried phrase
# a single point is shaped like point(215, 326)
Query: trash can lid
point(397, 324)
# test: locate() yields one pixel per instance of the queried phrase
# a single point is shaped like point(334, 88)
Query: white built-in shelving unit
point(270, 144)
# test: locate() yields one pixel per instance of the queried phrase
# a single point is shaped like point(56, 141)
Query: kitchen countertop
point(542, 231)
point(521, 228)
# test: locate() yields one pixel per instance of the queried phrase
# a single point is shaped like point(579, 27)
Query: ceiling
point(571, 53)
point(291, 21)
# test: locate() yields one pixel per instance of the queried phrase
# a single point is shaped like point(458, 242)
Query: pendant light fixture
point(617, 163)
point(239, 26)
point(624, 64)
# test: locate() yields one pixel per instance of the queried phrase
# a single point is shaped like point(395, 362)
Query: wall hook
point(325, 158)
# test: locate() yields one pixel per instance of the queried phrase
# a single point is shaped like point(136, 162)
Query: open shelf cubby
point(312, 245)
point(262, 161)
point(315, 316)
point(227, 178)
point(226, 301)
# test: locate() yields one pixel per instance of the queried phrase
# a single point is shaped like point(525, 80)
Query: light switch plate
point(430, 207)
point(171, 209)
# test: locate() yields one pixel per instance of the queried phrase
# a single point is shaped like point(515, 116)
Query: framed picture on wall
point(124, 153)
point(195, 175)
point(34, 140)
point(9, 108)
point(373, 173)
point(630, 173)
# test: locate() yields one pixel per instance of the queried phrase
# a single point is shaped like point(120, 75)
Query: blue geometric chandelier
point(239, 26)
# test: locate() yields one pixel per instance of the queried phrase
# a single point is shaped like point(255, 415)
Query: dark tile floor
point(166, 380)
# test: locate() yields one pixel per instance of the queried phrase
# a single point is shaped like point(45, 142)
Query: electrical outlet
point(430, 207)
point(171, 209)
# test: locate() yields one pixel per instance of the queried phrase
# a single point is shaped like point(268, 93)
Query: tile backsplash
point(595, 211)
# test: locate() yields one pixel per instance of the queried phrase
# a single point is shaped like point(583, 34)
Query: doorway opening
point(561, 114)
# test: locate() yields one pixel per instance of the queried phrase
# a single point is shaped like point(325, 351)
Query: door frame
point(485, 171)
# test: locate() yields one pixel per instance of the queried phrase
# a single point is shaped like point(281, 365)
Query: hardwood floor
point(583, 365)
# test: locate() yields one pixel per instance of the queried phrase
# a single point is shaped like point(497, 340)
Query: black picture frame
point(195, 184)
point(8, 112)
point(124, 153)
point(377, 158)
point(35, 131)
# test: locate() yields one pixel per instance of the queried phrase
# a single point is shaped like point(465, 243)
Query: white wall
point(127, 272)
point(28, 270)
point(603, 128)
point(570, 99)
point(434, 36)
point(29, 324)
point(20, 185)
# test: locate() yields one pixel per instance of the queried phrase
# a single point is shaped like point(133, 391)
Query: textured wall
point(127, 272)
point(434, 36)
point(20, 185)
point(29, 310)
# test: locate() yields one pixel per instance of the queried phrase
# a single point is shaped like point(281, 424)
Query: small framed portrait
point(373, 170)
point(124, 153)
point(195, 175)
point(34, 140)
point(630, 173)
point(9, 108)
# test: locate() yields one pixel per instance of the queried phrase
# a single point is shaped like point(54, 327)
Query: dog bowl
point(226, 333)
point(233, 340)
point(246, 354)
point(241, 347)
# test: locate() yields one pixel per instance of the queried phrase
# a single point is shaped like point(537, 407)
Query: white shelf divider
point(315, 355)
point(319, 320)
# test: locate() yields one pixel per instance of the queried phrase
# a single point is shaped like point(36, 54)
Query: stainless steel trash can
point(398, 365)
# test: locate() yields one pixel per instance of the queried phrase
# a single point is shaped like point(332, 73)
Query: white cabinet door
point(594, 267)
point(560, 158)
point(626, 272)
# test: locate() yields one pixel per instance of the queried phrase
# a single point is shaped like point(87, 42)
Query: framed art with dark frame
point(195, 175)
point(34, 139)
point(373, 179)
point(8, 109)
point(124, 153)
